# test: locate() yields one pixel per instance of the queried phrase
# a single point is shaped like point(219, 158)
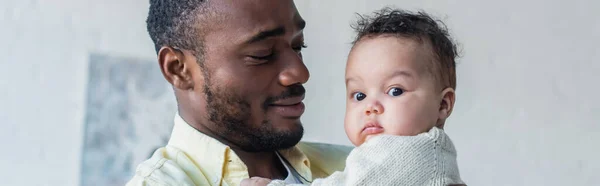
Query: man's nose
point(294, 70)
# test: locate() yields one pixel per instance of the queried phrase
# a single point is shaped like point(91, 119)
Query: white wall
point(527, 110)
point(44, 51)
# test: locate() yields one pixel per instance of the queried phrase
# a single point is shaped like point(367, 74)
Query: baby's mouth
point(372, 128)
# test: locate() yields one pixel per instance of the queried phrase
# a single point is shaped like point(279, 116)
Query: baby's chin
point(371, 136)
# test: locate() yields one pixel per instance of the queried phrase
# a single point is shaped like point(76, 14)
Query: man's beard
point(231, 116)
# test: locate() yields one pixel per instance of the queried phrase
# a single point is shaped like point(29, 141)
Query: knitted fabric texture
point(426, 159)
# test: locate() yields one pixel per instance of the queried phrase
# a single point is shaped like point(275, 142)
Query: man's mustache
point(295, 90)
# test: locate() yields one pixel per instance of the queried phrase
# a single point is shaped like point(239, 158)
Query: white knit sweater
point(426, 159)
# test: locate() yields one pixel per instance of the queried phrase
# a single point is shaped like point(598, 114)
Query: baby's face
point(389, 90)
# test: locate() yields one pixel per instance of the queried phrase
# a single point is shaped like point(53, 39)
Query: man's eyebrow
point(301, 24)
point(266, 34)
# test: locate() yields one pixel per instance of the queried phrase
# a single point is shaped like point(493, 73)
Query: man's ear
point(174, 69)
point(446, 106)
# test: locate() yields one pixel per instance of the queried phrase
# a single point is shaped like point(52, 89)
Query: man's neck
point(262, 164)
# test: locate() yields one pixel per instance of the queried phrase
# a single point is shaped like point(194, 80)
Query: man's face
point(252, 74)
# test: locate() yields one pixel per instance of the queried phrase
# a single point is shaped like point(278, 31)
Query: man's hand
point(255, 181)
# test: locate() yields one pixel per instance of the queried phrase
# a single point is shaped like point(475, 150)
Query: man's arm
point(258, 181)
point(335, 179)
point(159, 173)
point(141, 181)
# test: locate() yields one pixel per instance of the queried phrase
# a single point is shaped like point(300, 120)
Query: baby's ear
point(446, 106)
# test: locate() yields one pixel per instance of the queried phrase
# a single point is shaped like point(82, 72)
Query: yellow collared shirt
point(192, 158)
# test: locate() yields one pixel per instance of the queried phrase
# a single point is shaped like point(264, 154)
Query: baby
point(400, 82)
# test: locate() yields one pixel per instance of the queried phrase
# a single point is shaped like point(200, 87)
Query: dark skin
point(252, 54)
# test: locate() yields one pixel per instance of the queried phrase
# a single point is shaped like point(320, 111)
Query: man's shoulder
point(161, 169)
point(325, 158)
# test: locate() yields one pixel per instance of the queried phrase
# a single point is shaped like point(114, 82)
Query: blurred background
point(82, 101)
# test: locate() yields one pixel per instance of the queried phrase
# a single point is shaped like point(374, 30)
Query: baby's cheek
point(419, 126)
point(407, 126)
point(352, 127)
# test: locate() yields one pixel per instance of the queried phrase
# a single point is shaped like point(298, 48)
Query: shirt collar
point(218, 162)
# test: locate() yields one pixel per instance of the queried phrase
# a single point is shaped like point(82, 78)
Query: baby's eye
point(359, 96)
point(395, 91)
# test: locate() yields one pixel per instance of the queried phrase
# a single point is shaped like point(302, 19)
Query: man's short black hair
point(419, 26)
point(175, 23)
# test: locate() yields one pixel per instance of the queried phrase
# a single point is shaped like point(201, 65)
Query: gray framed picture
point(129, 114)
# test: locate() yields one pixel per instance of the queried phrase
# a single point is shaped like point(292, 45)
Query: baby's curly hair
point(419, 26)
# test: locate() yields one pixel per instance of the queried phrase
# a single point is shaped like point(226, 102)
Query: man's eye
point(264, 57)
point(359, 96)
point(299, 48)
point(395, 91)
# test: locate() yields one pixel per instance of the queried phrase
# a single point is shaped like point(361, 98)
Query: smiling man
point(237, 72)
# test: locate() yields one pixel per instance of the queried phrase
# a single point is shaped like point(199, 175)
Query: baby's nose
point(374, 108)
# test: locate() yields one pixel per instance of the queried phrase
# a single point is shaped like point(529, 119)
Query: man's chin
point(293, 137)
point(285, 124)
point(277, 138)
point(273, 145)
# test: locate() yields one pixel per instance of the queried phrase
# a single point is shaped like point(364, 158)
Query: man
point(237, 72)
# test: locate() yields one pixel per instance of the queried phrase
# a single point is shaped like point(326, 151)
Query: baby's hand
point(255, 181)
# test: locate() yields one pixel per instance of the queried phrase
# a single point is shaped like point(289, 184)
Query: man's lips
point(288, 101)
point(289, 108)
